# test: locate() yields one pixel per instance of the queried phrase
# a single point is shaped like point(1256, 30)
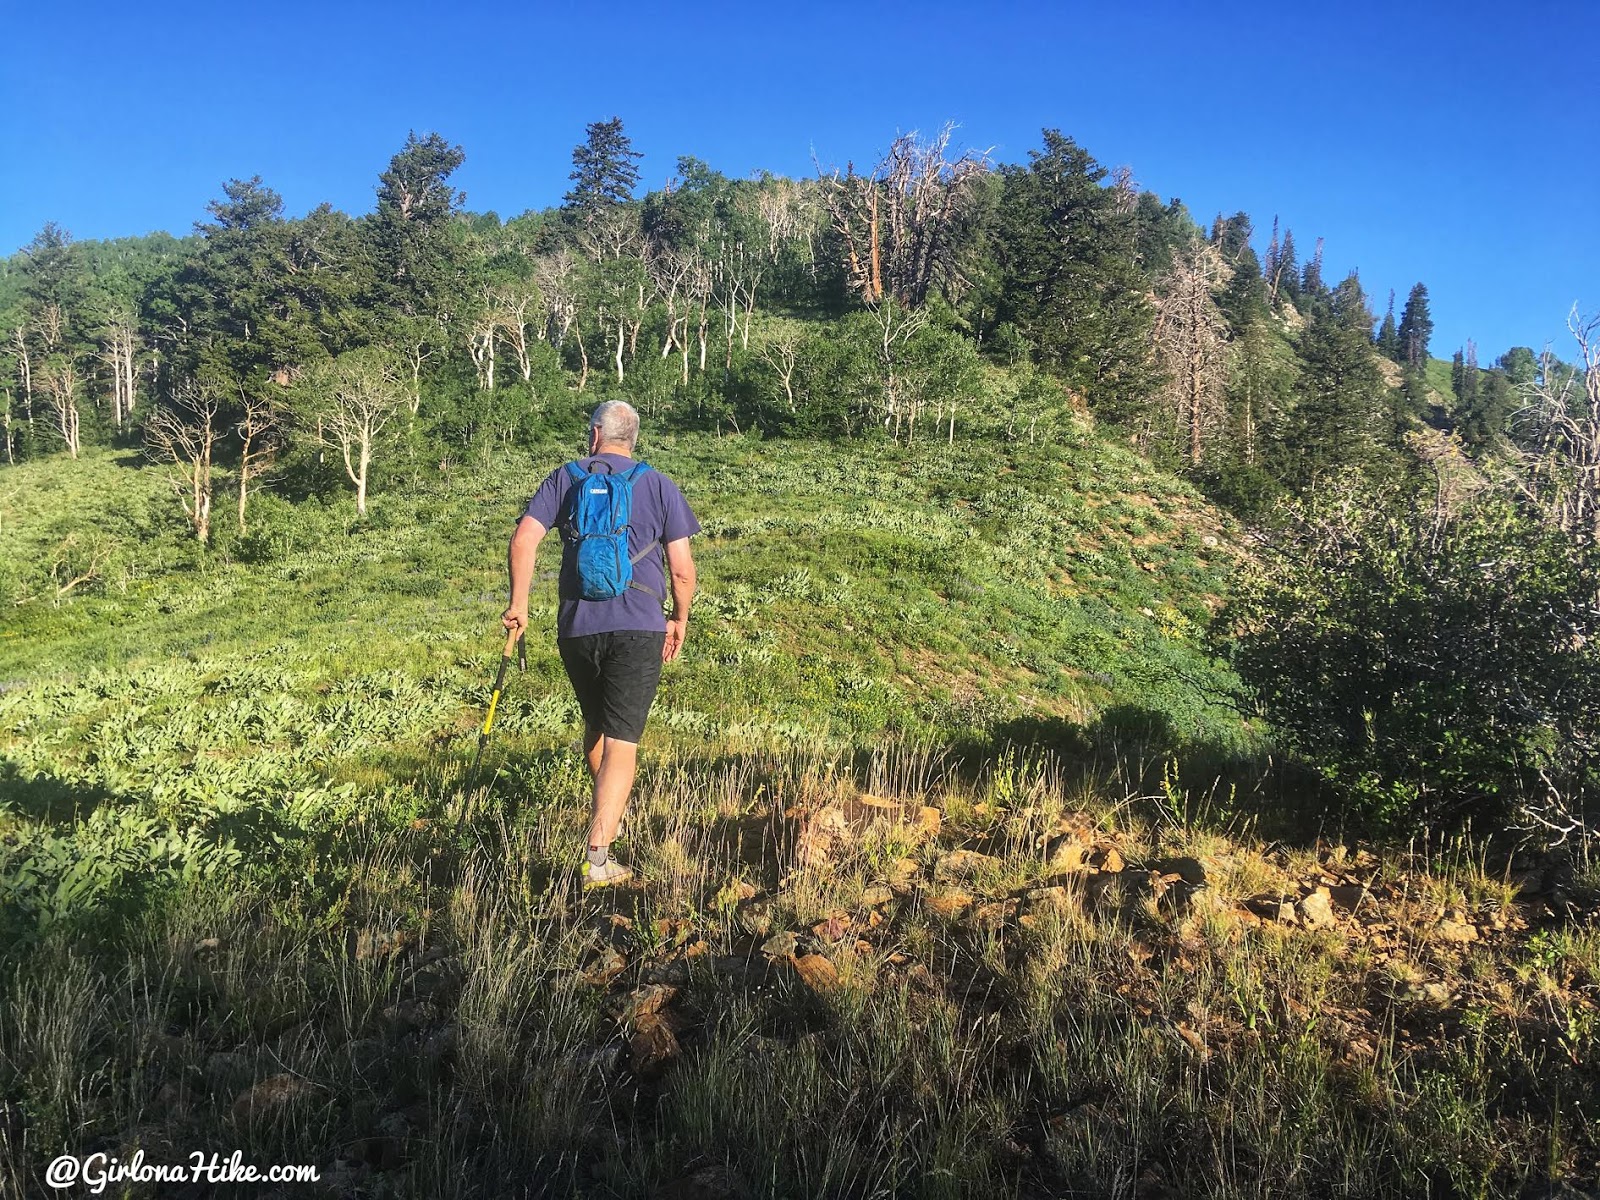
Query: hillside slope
point(246, 888)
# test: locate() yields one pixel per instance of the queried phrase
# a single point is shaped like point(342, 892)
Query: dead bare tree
point(483, 335)
point(782, 354)
point(897, 325)
point(512, 308)
point(1191, 336)
point(260, 432)
point(781, 205)
point(119, 346)
point(735, 276)
point(182, 435)
point(363, 395)
point(556, 277)
point(1557, 431)
point(20, 351)
point(74, 564)
point(900, 223)
point(670, 271)
point(60, 385)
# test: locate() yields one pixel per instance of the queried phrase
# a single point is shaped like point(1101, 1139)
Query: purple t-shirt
point(660, 514)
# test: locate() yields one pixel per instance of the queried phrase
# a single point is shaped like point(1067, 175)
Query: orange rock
point(950, 902)
point(817, 973)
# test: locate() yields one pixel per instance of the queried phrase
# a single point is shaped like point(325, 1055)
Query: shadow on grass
point(48, 799)
point(1142, 754)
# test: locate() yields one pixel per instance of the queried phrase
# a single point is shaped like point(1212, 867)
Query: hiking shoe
point(606, 874)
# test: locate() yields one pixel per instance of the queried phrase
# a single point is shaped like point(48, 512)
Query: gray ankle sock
point(598, 855)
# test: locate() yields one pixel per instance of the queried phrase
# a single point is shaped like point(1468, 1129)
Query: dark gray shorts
point(614, 676)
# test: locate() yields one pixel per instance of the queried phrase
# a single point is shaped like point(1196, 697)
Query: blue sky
point(1450, 143)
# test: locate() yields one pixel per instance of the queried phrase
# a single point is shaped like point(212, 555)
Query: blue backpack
point(594, 526)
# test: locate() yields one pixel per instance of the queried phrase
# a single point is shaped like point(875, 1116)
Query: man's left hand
point(676, 632)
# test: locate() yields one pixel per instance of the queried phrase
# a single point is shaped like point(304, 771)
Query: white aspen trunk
point(749, 308)
point(621, 332)
point(244, 478)
point(583, 357)
point(129, 366)
point(361, 482)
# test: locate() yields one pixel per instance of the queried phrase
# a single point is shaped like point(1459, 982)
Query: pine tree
point(1311, 285)
point(1388, 340)
point(1416, 328)
point(1340, 392)
point(1288, 270)
point(409, 233)
point(604, 171)
point(1071, 282)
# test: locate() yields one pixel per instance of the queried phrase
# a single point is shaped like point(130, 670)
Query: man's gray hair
point(617, 422)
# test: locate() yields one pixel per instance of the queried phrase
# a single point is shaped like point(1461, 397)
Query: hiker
point(613, 648)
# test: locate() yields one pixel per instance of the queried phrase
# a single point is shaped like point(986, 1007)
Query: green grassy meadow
point(958, 872)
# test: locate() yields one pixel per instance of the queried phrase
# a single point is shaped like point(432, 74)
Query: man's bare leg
point(594, 745)
point(613, 780)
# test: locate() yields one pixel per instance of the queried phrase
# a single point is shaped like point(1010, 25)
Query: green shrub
point(1436, 666)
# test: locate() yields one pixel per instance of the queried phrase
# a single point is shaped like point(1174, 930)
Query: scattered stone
point(1191, 870)
point(207, 946)
point(819, 834)
point(643, 1002)
point(605, 967)
point(875, 894)
point(1456, 932)
point(949, 902)
point(831, 930)
point(1195, 1042)
point(963, 863)
point(817, 973)
point(928, 820)
point(994, 914)
point(1066, 852)
point(1056, 897)
point(780, 945)
point(1316, 910)
point(1351, 898)
point(1437, 993)
point(405, 1016)
point(270, 1095)
point(602, 1060)
point(379, 944)
point(733, 893)
point(1107, 859)
point(1272, 908)
point(674, 971)
point(653, 1047)
point(442, 974)
point(902, 871)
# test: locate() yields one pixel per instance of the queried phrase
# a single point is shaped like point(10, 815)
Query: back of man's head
point(617, 422)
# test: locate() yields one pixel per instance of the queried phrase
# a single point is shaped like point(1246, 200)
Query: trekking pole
point(513, 642)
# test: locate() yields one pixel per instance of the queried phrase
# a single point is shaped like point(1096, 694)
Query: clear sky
point(1446, 142)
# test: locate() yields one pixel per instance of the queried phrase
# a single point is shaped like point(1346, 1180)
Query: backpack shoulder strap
point(574, 471)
